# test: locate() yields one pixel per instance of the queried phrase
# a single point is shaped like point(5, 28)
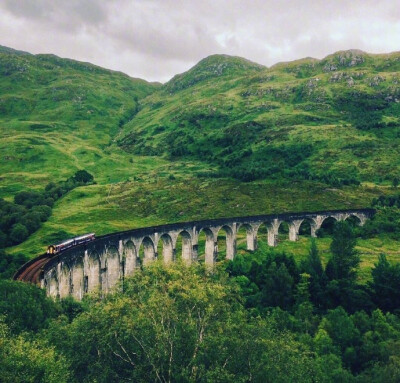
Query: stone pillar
point(294, 227)
point(131, 258)
point(195, 253)
point(168, 253)
point(251, 240)
point(362, 217)
point(77, 279)
point(53, 284)
point(187, 249)
point(313, 230)
point(319, 219)
point(64, 281)
point(272, 237)
point(149, 252)
point(230, 246)
point(273, 229)
point(211, 251)
point(113, 267)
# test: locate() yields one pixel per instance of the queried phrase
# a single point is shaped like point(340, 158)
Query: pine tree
point(345, 259)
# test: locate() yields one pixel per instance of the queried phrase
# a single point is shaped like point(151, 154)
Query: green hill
point(227, 138)
point(59, 115)
point(334, 120)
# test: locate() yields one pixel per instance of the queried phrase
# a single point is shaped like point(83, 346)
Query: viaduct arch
point(100, 264)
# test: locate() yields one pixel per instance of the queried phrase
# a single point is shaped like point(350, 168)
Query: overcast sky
point(155, 39)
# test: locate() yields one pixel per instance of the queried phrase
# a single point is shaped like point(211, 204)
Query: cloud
point(155, 39)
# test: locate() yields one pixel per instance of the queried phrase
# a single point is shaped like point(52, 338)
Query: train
point(54, 249)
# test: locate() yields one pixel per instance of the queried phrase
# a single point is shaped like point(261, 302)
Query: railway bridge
point(100, 264)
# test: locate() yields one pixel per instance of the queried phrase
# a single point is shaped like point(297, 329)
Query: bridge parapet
point(100, 264)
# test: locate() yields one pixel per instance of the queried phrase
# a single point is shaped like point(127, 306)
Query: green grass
point(58, 116)
point(294, 103)
point(153, 200)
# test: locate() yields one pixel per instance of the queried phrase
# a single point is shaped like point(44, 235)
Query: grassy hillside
point(59, 115)
point(334, 120)
point(302, 135)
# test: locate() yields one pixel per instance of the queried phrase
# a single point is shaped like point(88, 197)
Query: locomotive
point(54, 249)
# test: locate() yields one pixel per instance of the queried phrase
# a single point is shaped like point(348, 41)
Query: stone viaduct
point(100, 264)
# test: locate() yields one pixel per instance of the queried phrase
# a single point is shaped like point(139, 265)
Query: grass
point(58, 116)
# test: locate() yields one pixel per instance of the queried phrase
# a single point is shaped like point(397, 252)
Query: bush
point(18, 233)
point(25, 306)
point(83, 176)
point(9, 264)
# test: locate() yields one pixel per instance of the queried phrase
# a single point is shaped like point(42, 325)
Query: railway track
point(30, 272)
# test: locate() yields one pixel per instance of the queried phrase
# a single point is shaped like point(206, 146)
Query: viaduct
point(100, 264)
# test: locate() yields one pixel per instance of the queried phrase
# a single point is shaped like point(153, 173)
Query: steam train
point(54, 249)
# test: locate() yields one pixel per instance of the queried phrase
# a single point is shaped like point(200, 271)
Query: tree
point(178, 324)
point(83, 176)
point(278, 287)
point(25, 306)
point(9, 264)
point(26, 361)
point(313, 267)
point(31, 221)
point(3, 239)
point(386, 284)
point(44, 211)
point(345, 260)
point(18, 233)
point(341, 272)
point(342, 331)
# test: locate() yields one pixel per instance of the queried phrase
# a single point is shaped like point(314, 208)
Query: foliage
point(83, 176)
point(322, 120)
point(9, 264)
point(25, 307)
point(178, 324)
point(386, 222)
point(300, 126)
point(386, 284)
point(312, 265)
point(345, 260)
point(267, 282)
point(26, 361)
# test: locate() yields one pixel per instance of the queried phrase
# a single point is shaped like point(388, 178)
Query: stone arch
point(327, 223)
point(64, 281)
point(209, 250)
point(149, 251)
point(230, 241)
point(307, 227)
point(354, 219)
point(251, 235)
point(93, 273)
point(113, 266)
point(168, 254)
point(77, 278)
point(187, 246)
point(283, 228)
point(131, 258)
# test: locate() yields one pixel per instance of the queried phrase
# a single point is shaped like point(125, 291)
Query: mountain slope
point(58, 115)
point(334, 120)
point(168, 153)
